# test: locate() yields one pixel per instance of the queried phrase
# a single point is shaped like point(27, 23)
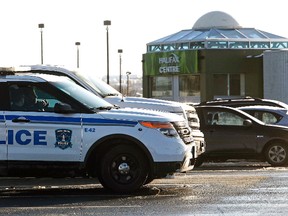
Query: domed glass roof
point(218, 30)
point(216, 19)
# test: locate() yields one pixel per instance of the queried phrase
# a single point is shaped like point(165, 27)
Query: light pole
point(41, 26)
point(77, 45)
point(120, 69)
point(107, 23)
point(128, 73)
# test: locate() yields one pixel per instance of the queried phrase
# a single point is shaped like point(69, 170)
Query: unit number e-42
point(89, 130)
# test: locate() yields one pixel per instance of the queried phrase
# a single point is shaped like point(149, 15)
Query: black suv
point(233, 134)
point(244, 101)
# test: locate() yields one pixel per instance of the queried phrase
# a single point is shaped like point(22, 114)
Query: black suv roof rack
point(4, 71)
point(242, 101)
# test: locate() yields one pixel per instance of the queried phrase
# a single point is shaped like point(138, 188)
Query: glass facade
point(161, 87)
point(189, 86)
point(241, 38)
point(228, 85)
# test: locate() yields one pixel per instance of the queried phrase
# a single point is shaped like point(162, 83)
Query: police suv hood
point(135, 114)
point(146, 103)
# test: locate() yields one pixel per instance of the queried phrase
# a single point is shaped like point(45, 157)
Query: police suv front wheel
point(123, 169)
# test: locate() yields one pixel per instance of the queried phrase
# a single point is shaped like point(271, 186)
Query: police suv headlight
point(166, 128)
point(168, 132)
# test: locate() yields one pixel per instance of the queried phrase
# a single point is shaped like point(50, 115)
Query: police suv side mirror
point(247, 122)
point(62, 108)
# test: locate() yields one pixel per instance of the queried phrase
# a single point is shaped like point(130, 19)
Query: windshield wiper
point(111, 94)
point(104, 108)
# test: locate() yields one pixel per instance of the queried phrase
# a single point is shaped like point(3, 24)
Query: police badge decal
point(63, 138)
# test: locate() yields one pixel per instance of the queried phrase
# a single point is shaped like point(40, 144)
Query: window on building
point(217, 44)
point(197, 45)
point(189, 85)
point(228, 85)
point(279, 45)
point(238, 45)
point(161, 86)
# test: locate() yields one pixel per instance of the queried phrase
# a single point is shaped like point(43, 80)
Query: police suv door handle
point(20, 119)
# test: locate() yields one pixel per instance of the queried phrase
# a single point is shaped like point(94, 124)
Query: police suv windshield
point(82, 95)
point(100, 86)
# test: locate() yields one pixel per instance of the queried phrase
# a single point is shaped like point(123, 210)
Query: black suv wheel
point(276, 154)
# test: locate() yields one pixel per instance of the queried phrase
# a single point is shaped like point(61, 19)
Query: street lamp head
point(77, 43)
point(107, 22)
point(41, 25)
point(120, 51)
point(128, 73)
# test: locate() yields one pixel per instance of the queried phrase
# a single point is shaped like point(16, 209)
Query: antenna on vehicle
point(122, 100)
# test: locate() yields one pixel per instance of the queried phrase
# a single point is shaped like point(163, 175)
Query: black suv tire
point(277, 153)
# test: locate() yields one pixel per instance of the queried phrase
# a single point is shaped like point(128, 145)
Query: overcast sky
point(134, 23)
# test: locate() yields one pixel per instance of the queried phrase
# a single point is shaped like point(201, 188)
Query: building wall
point(275, 74)
point(248, 63)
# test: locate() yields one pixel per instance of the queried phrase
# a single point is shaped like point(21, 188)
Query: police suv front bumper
point(161, 169)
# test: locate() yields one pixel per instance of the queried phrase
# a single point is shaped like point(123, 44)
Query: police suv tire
point(276, 154)
point(123, 169)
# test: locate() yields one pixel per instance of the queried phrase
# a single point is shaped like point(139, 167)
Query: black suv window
point(265, 116)
point(222, 118)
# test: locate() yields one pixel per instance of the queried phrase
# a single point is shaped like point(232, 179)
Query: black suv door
point(226, 134)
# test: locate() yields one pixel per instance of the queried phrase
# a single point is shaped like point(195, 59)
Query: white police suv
point(51, 126)
point(111, 95)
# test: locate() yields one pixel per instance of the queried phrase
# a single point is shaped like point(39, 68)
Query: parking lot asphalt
point(31, 183)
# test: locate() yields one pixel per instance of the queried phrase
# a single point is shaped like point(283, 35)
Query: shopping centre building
point(217, 58)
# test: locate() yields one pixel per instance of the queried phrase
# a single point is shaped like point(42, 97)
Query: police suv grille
point(184, 131)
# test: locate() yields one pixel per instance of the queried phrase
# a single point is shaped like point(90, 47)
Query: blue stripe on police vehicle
point(47, 119)
point(71, 120)
point(109, 122)
point(63, 136)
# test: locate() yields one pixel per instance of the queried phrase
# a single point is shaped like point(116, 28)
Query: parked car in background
point(233, 134)
point(268, 114)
